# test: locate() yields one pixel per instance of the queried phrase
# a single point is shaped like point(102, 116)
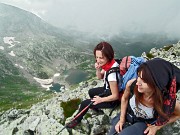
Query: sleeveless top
point(112, 77)
point(141, 110)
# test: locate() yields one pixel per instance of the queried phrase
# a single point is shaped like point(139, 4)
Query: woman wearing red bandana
point(102, 97)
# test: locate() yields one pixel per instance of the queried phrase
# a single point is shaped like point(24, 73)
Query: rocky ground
point(45, 118)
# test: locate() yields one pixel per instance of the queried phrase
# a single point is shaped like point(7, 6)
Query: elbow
point(178, 116)
point(123, 99)
point(99, 77)
point(116, 97)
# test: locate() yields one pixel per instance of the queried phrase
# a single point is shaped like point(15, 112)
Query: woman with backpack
point(101, 97)
point(149, 102)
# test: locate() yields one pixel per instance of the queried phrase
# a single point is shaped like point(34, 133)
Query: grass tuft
point(149, 55)
point(166, 48)
point(70, 107)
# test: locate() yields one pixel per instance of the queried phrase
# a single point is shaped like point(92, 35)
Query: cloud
point(107, 16)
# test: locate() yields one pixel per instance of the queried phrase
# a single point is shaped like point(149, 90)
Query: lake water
point(76, 76)
point(56, 87)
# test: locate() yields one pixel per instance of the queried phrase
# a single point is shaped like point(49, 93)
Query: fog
point(107, 16)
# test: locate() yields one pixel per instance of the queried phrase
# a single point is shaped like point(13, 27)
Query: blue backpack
point(127, 68)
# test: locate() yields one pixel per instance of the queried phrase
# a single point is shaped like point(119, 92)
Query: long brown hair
point(106, 49)
point(157, 95)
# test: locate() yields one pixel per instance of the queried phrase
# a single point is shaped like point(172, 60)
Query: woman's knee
point(135, 129)
point(115, 120)
point(91, 93)
point(85, 103)
point(95, 91)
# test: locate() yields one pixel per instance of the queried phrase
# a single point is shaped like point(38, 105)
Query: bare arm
point(115, 92)
point(124, 105)
point(114, 96)
point(151, 130)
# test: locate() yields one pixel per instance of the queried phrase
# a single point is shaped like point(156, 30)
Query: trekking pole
point(115, 133)
point(102, 94)
point(83, 110)
point(77, 116)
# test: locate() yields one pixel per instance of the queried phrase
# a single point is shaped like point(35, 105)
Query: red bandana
point(108, 65)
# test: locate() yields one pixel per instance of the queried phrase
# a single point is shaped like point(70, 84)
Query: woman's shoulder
point(115, 64)
point(130, 82)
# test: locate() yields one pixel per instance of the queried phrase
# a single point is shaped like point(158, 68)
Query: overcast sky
point(107, 16)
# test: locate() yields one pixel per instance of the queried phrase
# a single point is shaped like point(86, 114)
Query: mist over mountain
point(38, 49)
point(35, 55)
point(37, 58)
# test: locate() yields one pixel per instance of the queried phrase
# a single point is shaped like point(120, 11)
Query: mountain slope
point(15, 21)
point(15, 90)
point(30, 47)
point(37, 46)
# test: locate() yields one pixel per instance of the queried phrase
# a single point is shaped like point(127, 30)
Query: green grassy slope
point(15, 90)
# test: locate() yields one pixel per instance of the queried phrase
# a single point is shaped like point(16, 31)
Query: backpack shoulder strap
point(112, 70)
point(131, 94)
point(132, 88)
point(125, 64)
point(118, 61)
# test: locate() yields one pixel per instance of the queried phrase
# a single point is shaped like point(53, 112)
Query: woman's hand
point(99, 72)
point(151, 130)
point(96, 65)
point(119, 125)
point(97, 100)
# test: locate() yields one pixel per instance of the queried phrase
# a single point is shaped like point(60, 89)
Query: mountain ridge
point(32, 48)
point(49, 116)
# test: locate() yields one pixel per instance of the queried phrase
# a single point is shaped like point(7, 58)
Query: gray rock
point(45, 118)
point(34, 124)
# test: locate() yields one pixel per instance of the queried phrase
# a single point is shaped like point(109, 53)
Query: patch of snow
point(1, 47)
point(10, 41)
point(46, 86)
point(17, 41)
point(11, 46)
point(43, 81)
point(12, 53)
point(57, 74)
point(21, 67)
